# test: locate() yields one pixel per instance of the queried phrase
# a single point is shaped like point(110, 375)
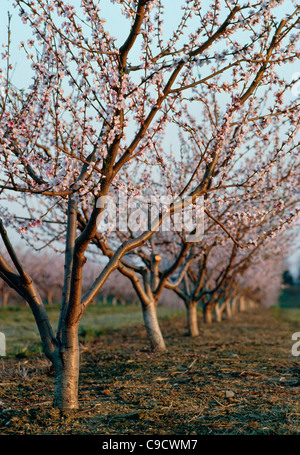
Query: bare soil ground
point(237, 377)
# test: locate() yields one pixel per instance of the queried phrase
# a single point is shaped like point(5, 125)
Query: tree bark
point(5, 296)
point(234, 305)
point(251, 303)
point(207, 314)
point(152, 326)
point(228, 311)
point(192, 319)
point(67, 371)
point(49, 298)
point(242, 303)
point(218, 313)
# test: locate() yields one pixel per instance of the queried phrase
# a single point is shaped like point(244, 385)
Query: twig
point(188, 368)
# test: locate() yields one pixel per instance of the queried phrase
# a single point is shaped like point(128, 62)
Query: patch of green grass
point(290, 315)
point(96, 322)
point(22, 336)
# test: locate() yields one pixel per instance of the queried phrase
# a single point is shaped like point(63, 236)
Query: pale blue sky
point(116, 24)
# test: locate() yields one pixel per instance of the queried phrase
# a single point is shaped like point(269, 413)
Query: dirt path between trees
point(237, 377)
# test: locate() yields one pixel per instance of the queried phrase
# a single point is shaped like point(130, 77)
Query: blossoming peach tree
point(251, 199)
point(98, 106)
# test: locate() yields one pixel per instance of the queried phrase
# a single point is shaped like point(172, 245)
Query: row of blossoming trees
point(47, 271)
point(201, 112)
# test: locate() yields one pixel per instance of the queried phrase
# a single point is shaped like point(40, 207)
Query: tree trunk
point(152, 326)
point(192, 318)
point(234, 305)
point(242, 303)
point(49, 298)
point(5, 296)
point(228, 311)
point(67, 371)
point(218, 313)
point(251, 303)
point(207, 314)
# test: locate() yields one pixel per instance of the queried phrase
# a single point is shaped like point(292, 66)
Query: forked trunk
point(152, 326)
point(192, 319)
point(207, 314)
point(67, 372)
